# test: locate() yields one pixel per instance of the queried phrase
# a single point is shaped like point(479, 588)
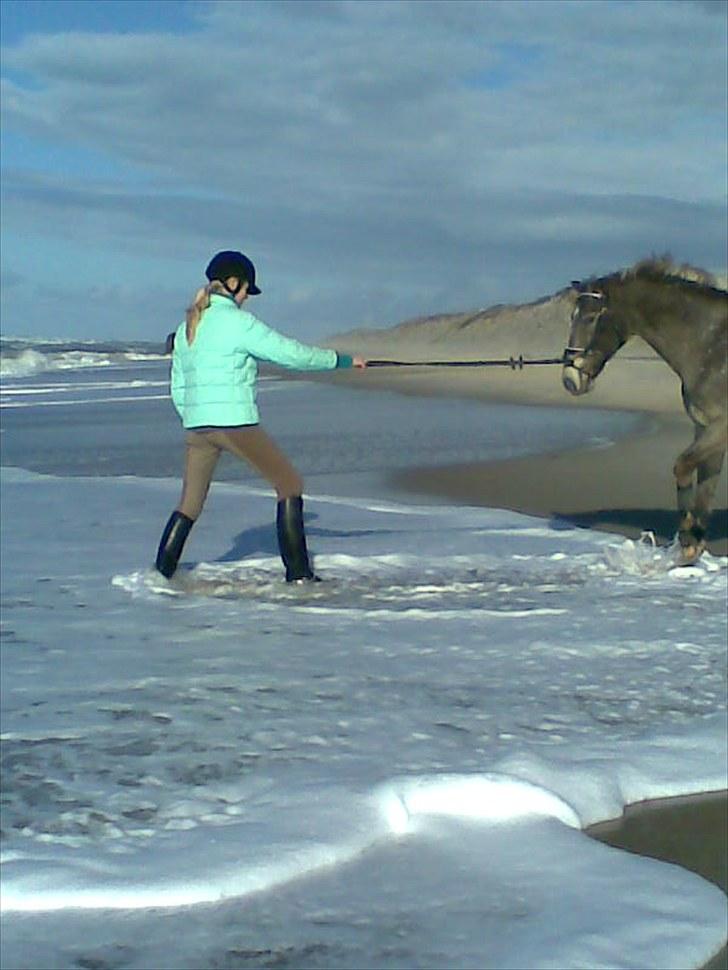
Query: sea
point(393, 768)
point(115, 397)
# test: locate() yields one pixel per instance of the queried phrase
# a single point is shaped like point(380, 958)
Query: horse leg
point(708, 474)
point(705, 456)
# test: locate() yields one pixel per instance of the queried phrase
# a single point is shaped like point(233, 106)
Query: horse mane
point(664, 269)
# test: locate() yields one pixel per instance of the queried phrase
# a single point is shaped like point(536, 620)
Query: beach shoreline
point(624, 486)
point(689, 831)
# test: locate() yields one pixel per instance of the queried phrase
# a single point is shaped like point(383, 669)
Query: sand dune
point(533, 330)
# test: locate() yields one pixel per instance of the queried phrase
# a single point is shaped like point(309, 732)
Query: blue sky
point(377, 160)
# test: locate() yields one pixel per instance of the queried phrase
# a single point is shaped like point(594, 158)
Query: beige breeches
point(250, 443)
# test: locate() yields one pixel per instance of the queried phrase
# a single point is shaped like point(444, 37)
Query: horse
point(682, 313)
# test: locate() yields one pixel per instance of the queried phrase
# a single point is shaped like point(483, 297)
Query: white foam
point(27, 363)
point(487, 798)
point(66, 388)
point(83, 401)
point(401, 756)
point(30, 362)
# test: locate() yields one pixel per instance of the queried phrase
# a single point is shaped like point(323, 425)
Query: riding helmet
point(229, 263)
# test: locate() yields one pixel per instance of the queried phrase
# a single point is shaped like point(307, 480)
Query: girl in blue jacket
point(213, 386)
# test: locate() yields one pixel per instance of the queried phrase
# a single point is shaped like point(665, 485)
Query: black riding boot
point(292, 540)
point(172, 541)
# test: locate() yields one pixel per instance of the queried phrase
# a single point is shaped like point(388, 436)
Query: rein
point(515, 363)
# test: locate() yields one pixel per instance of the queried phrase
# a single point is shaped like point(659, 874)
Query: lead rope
point(515, 363)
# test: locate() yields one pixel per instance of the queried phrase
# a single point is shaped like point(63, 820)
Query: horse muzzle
point(574, 379)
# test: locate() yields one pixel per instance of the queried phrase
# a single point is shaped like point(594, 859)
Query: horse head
point(587, 350)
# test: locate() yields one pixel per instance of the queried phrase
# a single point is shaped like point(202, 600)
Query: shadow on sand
point(662, 522)
point(262, 539)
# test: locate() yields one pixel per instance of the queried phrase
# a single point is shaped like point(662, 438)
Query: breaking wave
point(26, 358)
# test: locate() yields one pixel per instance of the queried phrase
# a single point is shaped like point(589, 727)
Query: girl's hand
point(359, 362)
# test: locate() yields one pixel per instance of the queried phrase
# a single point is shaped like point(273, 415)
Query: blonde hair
point(200, 302)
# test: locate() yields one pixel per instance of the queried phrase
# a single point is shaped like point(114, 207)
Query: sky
point(377, 160)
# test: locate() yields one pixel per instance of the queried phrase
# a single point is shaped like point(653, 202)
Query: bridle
point(571, 353)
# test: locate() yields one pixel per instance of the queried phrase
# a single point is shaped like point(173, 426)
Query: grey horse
point(682, 314)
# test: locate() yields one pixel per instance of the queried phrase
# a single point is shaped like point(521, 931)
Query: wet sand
point(626, 488)
point(691, 832)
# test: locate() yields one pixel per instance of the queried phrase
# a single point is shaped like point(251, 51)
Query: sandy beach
point(625, 487)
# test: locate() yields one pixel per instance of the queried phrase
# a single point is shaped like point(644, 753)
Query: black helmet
point(231, 263)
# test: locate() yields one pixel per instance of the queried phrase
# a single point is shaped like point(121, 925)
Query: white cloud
point(397, 141)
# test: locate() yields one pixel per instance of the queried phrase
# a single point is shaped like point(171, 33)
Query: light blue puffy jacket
point(213, 382)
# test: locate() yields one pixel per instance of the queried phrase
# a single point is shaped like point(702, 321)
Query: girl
point(213, 385)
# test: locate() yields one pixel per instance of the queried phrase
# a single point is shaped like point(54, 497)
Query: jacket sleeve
point(264, 343)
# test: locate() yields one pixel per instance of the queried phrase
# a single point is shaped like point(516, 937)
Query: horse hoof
point(690, 554)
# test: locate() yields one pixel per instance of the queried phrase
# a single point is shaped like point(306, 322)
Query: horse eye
point(589, 301)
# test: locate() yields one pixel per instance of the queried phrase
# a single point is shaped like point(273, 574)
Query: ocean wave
point(31, 362)
point(27, 358)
